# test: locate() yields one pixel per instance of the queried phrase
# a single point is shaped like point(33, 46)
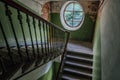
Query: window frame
point(62, 16)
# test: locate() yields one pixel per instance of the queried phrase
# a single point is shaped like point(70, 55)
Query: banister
point(50, 35)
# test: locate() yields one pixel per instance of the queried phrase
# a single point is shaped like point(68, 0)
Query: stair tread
point(68, 78)
point(79, 58)
point(80, 69)
point(77, 47)
point(77, 72)
point(80, 54)
point(79, 61)
point(72, 51)
point(72, 77)
point(80, 65)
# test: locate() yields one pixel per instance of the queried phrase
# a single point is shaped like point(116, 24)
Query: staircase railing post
point(63, 56)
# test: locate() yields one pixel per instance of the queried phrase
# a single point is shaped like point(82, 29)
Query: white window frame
point(66, 26)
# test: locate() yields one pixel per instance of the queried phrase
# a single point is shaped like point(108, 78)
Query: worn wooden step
point(78, 72)
point(71, 76)
point(78, 65)
point(80, 69)
point(68, 77)
point(79, 60)
point(83, 55)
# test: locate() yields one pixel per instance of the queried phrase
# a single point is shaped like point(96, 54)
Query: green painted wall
point(97, 53)
point(52, 73)
point(109, 23)
point(48, 75)
point(110, 40)
point(85, 33)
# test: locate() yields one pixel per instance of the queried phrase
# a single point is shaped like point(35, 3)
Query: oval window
point(72, 15)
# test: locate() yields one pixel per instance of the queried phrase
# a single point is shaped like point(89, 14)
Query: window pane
point(69, 7)
point(68, 16)
point(78, 15)
point(77, 7)
point(75, 23)
point(70, 23)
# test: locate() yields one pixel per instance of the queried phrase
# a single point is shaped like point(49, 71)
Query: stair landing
point(84, 47)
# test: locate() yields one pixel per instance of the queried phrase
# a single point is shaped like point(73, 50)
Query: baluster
point(53, 40)
point(41, 39)
point(56, 38)
point(47, 37)
point(50, 38)
point(8, 14)
point(29, 27)
point(49, 51)
point(23, 33)
point(56, 32)
point(6, 42)
point(44, 38)
point(62, 40)
point(36, 36)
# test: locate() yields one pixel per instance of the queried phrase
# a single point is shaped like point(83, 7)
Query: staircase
point(77, 65)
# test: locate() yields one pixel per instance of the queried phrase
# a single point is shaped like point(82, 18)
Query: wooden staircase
point(77, 66)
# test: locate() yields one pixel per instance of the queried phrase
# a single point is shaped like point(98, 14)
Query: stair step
point(64, 77)
point(72, 76)
point(80, 69)
point(78, 65)
point(77, 72)
point(87, 63)
point(79, 59)
point(80, 54)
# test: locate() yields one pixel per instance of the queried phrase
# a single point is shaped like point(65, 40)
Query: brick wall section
point(46, 11)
